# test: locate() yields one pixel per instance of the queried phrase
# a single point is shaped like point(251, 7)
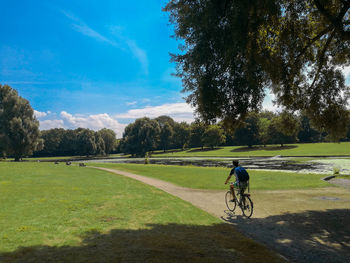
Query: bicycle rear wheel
point(247, 206)
point(230, 201)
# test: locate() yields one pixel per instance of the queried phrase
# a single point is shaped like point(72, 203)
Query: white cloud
point(178, 111)
point(39, 114)
point(51, 124)
point(81, 27)
point(122, 42)
point(346, 72)
point(139, 53)
point(268, 102)
point(94, 122)
point(131, 103)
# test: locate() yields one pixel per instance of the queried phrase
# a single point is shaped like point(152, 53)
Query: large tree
point(284, 128)
point(248, 132)
point(140, 137)
point(213, 136)
point(181, 135)
point(166, 125)
point(166, 135)
point(233, 50)
point(196, 134)
point(19, 129)
point(52, 141)
point(109, 138)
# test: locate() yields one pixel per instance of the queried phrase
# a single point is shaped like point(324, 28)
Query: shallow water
point(302, 165)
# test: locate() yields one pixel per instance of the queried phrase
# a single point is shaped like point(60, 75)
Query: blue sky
point(88, 58)
point(92, 63)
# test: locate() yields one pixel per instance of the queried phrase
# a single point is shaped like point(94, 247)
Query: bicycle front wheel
point(230, 201)
point(247, 206)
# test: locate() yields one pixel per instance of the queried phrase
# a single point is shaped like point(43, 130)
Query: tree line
point(81, 141)
point(20, 135)
point(163, 133)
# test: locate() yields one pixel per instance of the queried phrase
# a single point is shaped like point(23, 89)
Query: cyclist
point(242, 178)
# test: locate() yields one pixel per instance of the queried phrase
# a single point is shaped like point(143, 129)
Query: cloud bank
point(178, 111)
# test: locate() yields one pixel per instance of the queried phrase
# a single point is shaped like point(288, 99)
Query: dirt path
point(303, 225)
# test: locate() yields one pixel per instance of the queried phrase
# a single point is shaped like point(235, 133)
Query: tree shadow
point(311, 236)
point(156, 243)
point(204, 149)
point(267, 148)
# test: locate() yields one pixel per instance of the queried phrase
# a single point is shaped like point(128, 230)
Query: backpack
point(242, 174)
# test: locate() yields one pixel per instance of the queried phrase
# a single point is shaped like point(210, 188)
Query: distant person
point(242, 178)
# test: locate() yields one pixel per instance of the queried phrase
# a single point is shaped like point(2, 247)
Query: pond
point(293, 164)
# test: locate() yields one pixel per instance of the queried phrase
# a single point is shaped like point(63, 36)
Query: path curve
point(205, 199)
point(302, 225)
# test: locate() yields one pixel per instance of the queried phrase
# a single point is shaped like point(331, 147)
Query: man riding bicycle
point(242, 178)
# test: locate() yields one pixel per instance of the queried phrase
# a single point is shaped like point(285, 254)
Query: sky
point(92, 64)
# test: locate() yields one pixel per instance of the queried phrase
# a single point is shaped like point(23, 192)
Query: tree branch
point(321, 58)
point(319, 35)
point(336, 21)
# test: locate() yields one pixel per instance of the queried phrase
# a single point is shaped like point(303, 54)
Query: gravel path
point(302, 225)
point(340, 182)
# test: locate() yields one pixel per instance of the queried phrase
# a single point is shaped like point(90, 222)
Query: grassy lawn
point(307, 149)
point(58, 213)
point(214, 178)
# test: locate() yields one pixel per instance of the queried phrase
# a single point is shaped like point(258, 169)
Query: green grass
point(58, 213)
point(307, 149)
point(214, 178)
point(58, 203)
point(73, 157)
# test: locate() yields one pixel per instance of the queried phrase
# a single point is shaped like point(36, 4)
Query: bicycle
point(243, 201)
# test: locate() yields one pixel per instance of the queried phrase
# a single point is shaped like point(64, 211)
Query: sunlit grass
point(59, 213)
point(307, 149)
point(214, 178)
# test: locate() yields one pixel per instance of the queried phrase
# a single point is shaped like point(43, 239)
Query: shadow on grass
point(204, 149)
point(267, 148)
point(156, 243)
point(312, 236)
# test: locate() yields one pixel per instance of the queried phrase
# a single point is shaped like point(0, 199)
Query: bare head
point(235, 163)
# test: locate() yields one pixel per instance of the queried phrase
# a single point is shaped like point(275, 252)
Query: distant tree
point(19, 129)
point(86, 141)
point(264, 124)
point(348, 135)
point(284, 129)
point(52, 140)
point(69, 143)
point(338, 121)
point(100, 144)
point(109, 138)
point(140, 137)
point(197, 130)
point(307, 133)
point(166, 135)
point(213, 136)
point(162, 120)
point(181, 135)
point(247, 132)
point(267, 114)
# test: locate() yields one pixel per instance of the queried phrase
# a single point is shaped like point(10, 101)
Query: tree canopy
point(19, 129)
point(234, 50)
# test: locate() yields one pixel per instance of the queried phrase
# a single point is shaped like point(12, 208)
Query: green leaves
point(19, 129)
point(235, 49)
